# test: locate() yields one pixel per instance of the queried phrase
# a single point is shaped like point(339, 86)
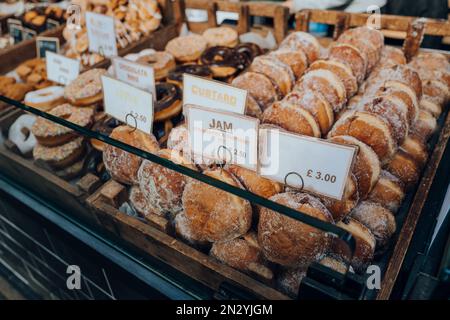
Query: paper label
point(61, 69)
point(45, 44)
point(28, 34)
point(220, 136)
point(213, 94)
point(311, 164)
point(51, 24)
point(101, 34)
point(128, 104)
point(139, 75)
point(15, 30)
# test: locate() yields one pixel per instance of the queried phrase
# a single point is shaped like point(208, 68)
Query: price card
point(222, 136)
point(213, 94)
point(128, 104)
point(28, 34)
point(139, 75)
point(15, 30)
point(101, 34)
point(51, 24)
point(306, 163)
point(61, 69)
point(44, 44)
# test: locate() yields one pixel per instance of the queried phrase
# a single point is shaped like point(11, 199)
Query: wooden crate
point(278, 13)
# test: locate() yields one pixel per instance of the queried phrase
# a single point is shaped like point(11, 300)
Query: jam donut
point(377, 219)
point(176, 76)
point(289, 279)
point(289, 242)
point(425, 125)
point(161, 62)
point(105, 125)
point(61, 156)
point(187, 48)
point(221, 36)
point(405, 168)
point(388, 192)
point(303, 41)
point(292, 118)
point(326, 83)
point(223, 61)
point(20, 133)
point(432, 66)
point(213, 214)
point(368, 128)
point(428, 105)
point(86, 89)
point(295, 59)
point(122, 165)
point(350, 56)
point(343, 72)
point(45, 99)
point(168, 104)
point(51, 134)
point(277, 71)
point(365, 244)
point(258, 86)
point(367, 166)
point(416, 149)
point(252, 108)
point(163, 187)
point(316, 104)
point(392, 55)
point(436, 91)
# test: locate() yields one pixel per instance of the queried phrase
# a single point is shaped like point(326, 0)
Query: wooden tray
point(278, 13)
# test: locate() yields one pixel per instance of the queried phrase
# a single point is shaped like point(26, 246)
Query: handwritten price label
point(61, 69)
point(101, 34)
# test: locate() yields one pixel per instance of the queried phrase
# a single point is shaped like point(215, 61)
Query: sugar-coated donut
point(212, 214)
point(122, 165)
point(292, 243)
point(295, 59)
point(405, 168)
point(45, 99)
point(367, 165)
point(392, 55)
point(436, 91)
point(432, 66)
point(377, 219)
point(139, 202)
point(178, 140)
point(277, 71)
point(258, 86)
point(416, 149)
point(341, 70)
point(326, 83)
point(163, 187)
point(388, 192)
point(252, 108)
point(425, 125)
point(221, 36)
point(291, 118)
point(365, 244)
point(428, 105)
point(368, 128)
point(305, 42)
point(336, 263)
point(316, 104)
point(86, 89)
point(61, 156)
point(20, 133)
point(350, 56)
point(289, 279)
point(187, 48)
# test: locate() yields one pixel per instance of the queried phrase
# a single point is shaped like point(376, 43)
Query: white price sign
point(128, 104)
point(101, 34)
point(61, 69)
point(221, 136)
point(307, 163)
point(213, 94)
point(139, 75)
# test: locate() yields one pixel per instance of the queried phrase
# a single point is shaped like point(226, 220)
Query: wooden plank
point(409, 225)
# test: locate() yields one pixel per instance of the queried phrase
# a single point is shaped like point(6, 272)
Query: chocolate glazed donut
point(167, 106)
point(176, 76)
point(251, 50)
point(224, 62)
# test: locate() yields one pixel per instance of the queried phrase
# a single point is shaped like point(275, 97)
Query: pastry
point(104, 125)
point(392, 55)
point(428, 105)
point(223, 61)
point(17, 91)
point(258, 86)
point(405, 168)
point(221, 36)
point(61, 156)
point(295, 59)
point(168, 102)
point(161, 62)
point(425, 125)
point(416, 149)
point(20, 133)
point(176, 76)
point(305, 42)
point(436, 91)
point(139, 202)
point(45, 99)
point(388, 192)
point(187, 48)
point(252, 108)
point(86, 89)
point(350, 56)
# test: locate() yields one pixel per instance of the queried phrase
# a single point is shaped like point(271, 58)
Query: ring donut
point(45, 99)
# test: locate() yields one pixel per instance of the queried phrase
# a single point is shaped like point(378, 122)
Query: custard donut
point(122, 165)
point(61, 156)
point(350, 56)
point(368, 128)
point(428, 105)
point(45, 99)
point(316, 104)
point(326, 83)
point(303, 41)
point(292, 118)
point(86, 89)
point(20, 133)
point(221, 36)
point(405, 168)
point(163, 187)
point(425, 125)
point(161, 62)
point(343, 72)
point(416, 149)
point(50, 134)
point(187, 48)
point(377, 219)
point(258, 86)
point(365, 244)
point(367, 165)
point(211, 214)
point(289, 242)
point(276, 71)
point(388, 192)
point(295, 59)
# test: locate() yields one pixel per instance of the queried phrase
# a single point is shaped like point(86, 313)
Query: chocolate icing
point(194, 69)
point(166, 95)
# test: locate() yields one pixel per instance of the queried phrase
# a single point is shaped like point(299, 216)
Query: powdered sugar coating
point(275, 70)
point(305, 42)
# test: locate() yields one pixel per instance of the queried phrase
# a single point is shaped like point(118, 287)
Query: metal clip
point(135, 121)
point(286, 185)
point(221, 165)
